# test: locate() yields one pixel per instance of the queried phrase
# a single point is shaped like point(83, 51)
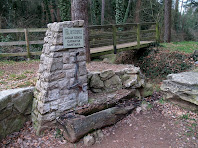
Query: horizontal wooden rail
point(19, 30)
point(100, 35)
point(21, 43)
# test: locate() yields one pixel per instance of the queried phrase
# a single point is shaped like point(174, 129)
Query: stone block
point(53, 95)
point(66, 57)
point(67, 105)
point(131, 81)
point(14, 123)
point(107, 74)
point(4, 101)
point(56, 48)
point(96, 82)
point(83, 98)
point(43, 107)
point(56, 76)
point(68, 66)
point(113, 84)
point(5, 113)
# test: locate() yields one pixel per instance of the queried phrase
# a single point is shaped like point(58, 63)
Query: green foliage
point(95, 12)
point(1, 73)
point(65, 9)
point(186, 47)
point(119, 11)
point(161, 101)
point(185, 117)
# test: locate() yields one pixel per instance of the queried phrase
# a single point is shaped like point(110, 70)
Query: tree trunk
point(167, 20)
point(102, 12)
point(0, 21)
point(137, 11)
point(79, 12)
point(176, 17)
point(76, 126)
point(127, 12)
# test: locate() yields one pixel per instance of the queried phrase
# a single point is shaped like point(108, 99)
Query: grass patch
point(186, 47)
point(11, 62)
point(185, 117)
point(18, 77)
point(161, 101)
point(25, 84)
point(21, 77)
point(3, 82)
point(13, 75)
point(28, 71)
point(1, 73)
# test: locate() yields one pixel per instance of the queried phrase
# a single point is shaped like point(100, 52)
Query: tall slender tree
point(176, 17)
point(137, 11)
point(167, 20)
point(103, 12)
point(79, 11)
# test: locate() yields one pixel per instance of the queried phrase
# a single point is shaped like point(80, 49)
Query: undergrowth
point(156, 64)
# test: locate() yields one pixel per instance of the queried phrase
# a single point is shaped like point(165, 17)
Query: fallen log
point(76, 126)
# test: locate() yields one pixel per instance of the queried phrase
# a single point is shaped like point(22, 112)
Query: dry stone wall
point(15, 109)
point(56, 74)
point(109, 80)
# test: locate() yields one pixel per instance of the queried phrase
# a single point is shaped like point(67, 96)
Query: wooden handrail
point(116, 33)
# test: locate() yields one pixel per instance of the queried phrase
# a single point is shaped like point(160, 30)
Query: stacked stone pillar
point(56, 74)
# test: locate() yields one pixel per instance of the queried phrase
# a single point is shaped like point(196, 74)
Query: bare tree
point(167, 20)
point(103, 12)
point(79, 12)
point(137, 11)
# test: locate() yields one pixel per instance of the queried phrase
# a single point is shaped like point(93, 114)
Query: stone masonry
point(56, 74)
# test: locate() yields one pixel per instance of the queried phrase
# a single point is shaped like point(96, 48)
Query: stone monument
point(62, 75)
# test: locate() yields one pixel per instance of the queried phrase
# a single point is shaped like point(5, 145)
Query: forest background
point(38, 13)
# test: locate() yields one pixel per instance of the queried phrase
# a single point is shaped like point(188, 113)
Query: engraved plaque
point(73, 37)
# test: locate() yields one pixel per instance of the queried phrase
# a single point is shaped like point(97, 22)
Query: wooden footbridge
point(104, 39)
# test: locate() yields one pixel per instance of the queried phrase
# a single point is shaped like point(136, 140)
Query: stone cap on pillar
point(58, 26)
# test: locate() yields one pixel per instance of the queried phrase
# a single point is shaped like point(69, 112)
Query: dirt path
point(154, 128)
point(162, 126)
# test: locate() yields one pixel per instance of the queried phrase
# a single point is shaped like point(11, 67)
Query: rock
point(147, 90)
point(138, 109)
point(113, 84)
point(195, 55)
point(183, 86)
point(89, 140)
point(23, 100)
point(107, 74)
point(132, 70)
point(5, 113)
point(96, 82)
point(144, 106)
point(132, 80)
point(98, 135)
point(106, 60)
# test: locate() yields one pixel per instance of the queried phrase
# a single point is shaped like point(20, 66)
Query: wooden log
point(93, 108)
point(76, 126)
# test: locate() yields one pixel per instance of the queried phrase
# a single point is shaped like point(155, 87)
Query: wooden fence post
point(114, 39)
point(157, 33)
point(138, 35)
point(27, 44)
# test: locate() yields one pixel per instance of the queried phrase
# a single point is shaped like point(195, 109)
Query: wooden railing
point(26, 31)
point(99, 36)
point(125, 33)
